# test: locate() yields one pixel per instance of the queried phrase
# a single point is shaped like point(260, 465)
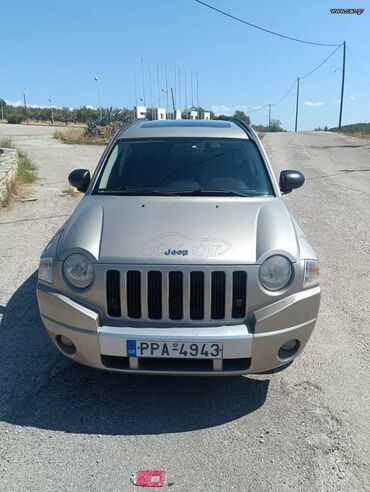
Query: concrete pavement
point(67, 427)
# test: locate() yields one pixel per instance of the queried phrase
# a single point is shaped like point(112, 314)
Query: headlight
point(78, 270)
point(311, 273)
point(275, 272)
point(45, 272)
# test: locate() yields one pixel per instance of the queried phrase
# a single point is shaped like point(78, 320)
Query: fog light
point(65, 344)
point(288, 349)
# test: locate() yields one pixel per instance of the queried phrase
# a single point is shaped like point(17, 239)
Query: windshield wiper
point(218, 192)
point(124, 190)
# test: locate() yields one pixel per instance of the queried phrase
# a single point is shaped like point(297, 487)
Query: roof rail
point(243, 125)
point(129, 124)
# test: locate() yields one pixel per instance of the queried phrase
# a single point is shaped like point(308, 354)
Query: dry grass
point(27, 169)
point(78, 136)
point(26, 173)
point(56, 123)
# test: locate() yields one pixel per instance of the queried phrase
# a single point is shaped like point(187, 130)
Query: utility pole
point(296, 108)
point(143, 80)
point(159, 92)
point(197, 91)
point(52, 112)
point(25, 106)
point(173, 104)
point(186, 94)
point(96, 78)
point(342, 91)
point(2, 109)
point(135, 88)
point(269, 115)
point(191, 86)
point(167, 107)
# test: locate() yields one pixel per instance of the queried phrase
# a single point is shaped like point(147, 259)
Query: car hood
point(180, 230)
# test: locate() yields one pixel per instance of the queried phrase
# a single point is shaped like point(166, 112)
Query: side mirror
point(80, 179)
point(290, 179)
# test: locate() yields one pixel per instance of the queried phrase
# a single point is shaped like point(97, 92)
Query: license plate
point(186, 350)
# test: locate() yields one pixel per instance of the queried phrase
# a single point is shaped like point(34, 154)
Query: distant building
point(140, 112)
point(161, 114)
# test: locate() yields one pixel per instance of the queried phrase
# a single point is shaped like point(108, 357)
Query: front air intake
point(113, 293)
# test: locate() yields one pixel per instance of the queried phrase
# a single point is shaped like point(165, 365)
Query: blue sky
point(54, 50)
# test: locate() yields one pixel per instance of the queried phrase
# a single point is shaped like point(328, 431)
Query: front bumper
point(247, 349)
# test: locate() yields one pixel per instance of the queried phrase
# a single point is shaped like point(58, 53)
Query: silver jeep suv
point(182, 257)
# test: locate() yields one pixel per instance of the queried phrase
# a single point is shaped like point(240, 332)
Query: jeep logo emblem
point(176, 252)
point(175, 245)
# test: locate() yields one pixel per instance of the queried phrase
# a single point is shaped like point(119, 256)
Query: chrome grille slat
point(186, 297)
point(228, 294)
point(165, 295)
point(144, 295)
point(207, 295)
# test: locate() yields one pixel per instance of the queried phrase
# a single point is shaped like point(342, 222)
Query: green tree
point(241, 115)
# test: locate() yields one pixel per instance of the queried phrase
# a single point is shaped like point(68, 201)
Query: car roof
point(182, 128)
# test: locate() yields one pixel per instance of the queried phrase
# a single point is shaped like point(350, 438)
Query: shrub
point(14, 119)
point(27, 169)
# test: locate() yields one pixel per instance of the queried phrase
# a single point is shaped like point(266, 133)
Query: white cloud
point(337, 101)
point(313, 103)
point(221, 109)
point(89, 107)
point(241, 107)
point(21, 103)
point(352, 98)
point(14, 103)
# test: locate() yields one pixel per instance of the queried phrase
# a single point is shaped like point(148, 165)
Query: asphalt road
point(67, 427)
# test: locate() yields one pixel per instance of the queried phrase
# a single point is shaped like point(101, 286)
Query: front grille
point(197, 295)
point(177, 295)
point(218, 295)
point(155, 295)
point(134, 294)
point(239, 294)
point(113, 293)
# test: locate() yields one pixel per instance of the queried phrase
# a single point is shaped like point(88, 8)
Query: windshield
point(185, 166)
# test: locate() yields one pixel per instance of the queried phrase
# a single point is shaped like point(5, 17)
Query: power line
point(285, 95)
point(322, 63)
point(262, 28)
point(294, 83)
point(358, 65)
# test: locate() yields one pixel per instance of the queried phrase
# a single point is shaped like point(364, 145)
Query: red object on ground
point(149, 478)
